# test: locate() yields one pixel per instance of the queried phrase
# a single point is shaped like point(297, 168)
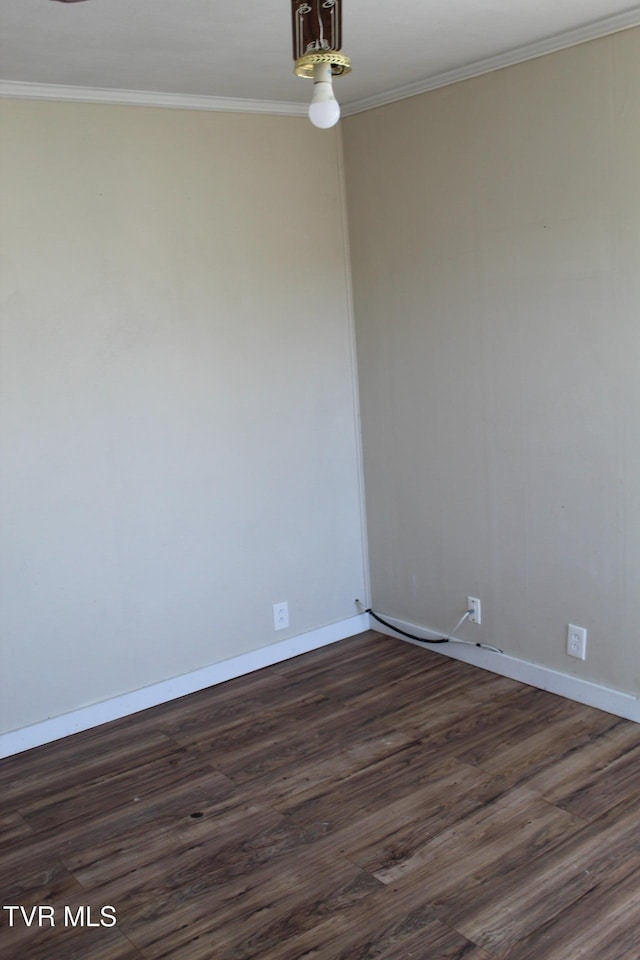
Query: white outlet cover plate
point(473, 603)
point(281, 615)
point(577, 642)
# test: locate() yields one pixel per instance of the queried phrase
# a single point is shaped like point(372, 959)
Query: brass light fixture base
point(340, 63)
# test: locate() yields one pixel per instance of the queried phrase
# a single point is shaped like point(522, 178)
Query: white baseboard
point(573, 688)
point(58, 727)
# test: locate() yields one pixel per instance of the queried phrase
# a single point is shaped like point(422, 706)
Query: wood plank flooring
point(367, 800)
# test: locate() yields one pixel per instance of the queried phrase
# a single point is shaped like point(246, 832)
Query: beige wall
point(178, 444)
point(178, 438)
point(495, 230)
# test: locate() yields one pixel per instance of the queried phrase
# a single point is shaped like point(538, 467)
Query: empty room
point(319, 480)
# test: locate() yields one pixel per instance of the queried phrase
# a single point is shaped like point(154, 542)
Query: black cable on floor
point(449, 639)
point(404, 633)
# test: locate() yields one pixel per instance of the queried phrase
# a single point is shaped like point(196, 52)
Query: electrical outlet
point(473, 604)
point(577, 642)
point(281, 615)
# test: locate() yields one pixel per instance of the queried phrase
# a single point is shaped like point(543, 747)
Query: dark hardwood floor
point(367, 800)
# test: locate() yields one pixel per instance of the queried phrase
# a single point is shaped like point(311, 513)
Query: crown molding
point(592, 31)
point(144, 98)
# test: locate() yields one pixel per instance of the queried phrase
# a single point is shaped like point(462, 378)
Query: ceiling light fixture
point(317, 38)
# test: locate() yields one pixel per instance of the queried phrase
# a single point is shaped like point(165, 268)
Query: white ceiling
point(242, 48)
